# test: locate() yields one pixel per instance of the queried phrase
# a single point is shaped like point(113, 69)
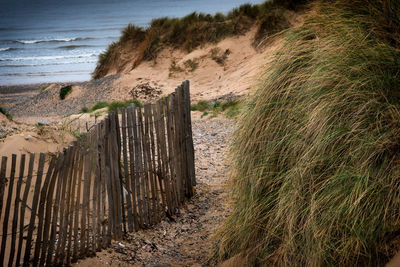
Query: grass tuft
point(191, 64)
point(315, 157)
point(173, 68)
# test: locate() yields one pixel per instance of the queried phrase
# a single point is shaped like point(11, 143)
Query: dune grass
point(316, 158)
point(194, 30)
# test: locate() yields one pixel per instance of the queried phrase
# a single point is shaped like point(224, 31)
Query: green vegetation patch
point(315, 157)
point(98, 105)
point(113, 106)
point(5, 112)
point(229, 108)
point(64, 91)
point(116, 106)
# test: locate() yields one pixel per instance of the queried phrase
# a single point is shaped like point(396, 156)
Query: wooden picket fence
point(128, 172)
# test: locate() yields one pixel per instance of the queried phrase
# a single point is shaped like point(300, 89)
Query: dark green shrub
point(64, 91)
point(84, 110)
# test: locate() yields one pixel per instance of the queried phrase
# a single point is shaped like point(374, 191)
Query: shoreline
point(33, 86)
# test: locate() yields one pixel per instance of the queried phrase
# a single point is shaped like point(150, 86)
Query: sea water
point(60, 40)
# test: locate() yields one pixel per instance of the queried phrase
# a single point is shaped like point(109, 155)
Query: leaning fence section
point(127, 173)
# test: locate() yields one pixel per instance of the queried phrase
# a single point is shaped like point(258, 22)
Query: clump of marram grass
point(230, 108)
point(194, 30)
point(315, 157)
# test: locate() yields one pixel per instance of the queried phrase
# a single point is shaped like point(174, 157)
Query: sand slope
point(209, 80)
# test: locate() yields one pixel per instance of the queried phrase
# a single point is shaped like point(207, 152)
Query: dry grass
point(193, 30)
point(316, 156)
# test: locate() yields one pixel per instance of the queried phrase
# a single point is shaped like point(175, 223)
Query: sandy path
point(185, 239)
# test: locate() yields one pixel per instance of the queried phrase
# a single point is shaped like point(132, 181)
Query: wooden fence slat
point(106, 235)
point(41, 210)
point(110, 161)
point(191, 167)
point(7, 210)
point(118, 147)
point(16, 207)
point(99, 190)
point(164, 159)
point(143, 170)
point(77, 205)
point(116, 178)
point(148, 165)
point(160, 159)
point(71, 200)
point(111, 218)
point(112, 190)
point(130, 125)
point(185, 139)
point(87, 165)
point(126, 171)
point(110, 201)
point(63, 217)
point(23, 207)
point(49, 206)
point(160, 166)
point(35, 201)
point(171, 151)
point(184, 162)
point(93, 196)
point(153, 134)
point(3, 181)
point(178, 147)
point(96, 192)
point(138, 167)
point(88, 197)
point(182, 143)
point(56, 207)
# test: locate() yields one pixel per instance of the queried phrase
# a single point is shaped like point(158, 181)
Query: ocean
point(60, 40)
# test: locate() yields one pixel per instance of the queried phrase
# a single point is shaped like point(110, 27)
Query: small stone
point(43, 122)
point(28, 137)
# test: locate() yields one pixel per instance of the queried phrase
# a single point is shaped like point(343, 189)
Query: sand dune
point(239, 66)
